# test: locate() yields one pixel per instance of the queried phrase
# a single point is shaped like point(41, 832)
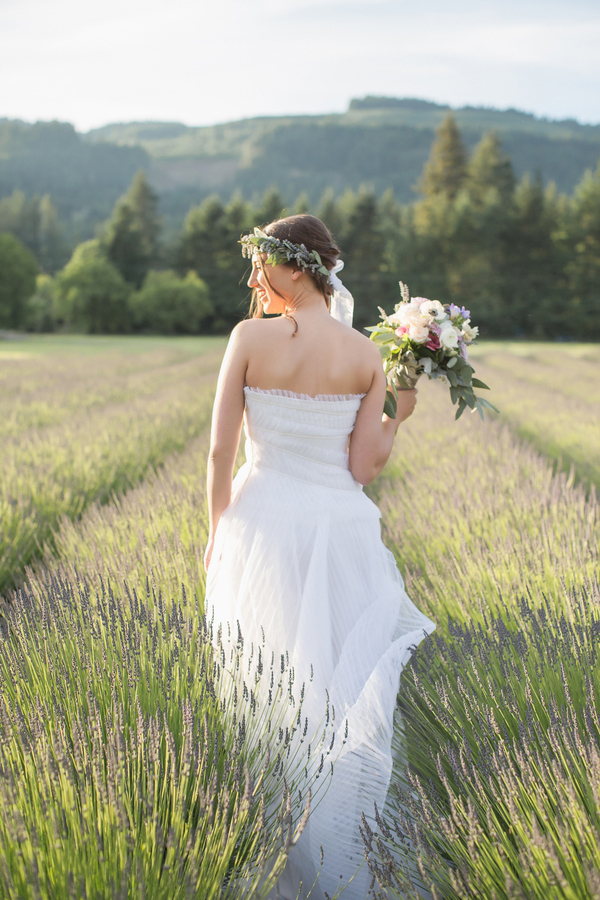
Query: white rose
point(469, 332)
point(418, 332)
point(448, 336)
point(432, 308)
point(413, 317)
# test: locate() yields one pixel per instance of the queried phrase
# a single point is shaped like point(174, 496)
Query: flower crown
point(279, 251)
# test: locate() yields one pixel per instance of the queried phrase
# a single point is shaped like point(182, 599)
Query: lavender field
point(121, 774)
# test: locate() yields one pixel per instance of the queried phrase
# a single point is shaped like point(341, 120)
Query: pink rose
point(433, 343)
point(401, 331)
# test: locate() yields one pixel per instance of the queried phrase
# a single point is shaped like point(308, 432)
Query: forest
point(523, 257)
point(378, 142)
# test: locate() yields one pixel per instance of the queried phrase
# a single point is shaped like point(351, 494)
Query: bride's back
point(322, 357)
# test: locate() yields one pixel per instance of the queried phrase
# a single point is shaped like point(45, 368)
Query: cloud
point(202, 62)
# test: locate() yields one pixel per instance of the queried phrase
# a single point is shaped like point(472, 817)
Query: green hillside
point(83, 178)
point(379, 142)
point(382, 142)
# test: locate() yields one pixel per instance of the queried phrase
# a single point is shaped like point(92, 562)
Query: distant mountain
point(84, 178)
point(380, 142)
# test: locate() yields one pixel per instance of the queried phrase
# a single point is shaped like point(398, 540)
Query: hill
point(380, 142)
point(84, 178)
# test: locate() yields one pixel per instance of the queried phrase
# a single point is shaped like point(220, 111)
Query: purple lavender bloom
point(454, 311)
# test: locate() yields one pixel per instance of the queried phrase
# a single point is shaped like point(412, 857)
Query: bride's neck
point(308, 301)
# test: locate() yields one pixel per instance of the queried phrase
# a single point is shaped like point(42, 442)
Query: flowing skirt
point(303, 570)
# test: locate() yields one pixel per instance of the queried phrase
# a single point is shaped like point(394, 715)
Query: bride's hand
point(407, 400)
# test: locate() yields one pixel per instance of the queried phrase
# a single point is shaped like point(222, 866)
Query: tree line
point(524, 259)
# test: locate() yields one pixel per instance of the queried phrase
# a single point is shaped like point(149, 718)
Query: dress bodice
point(300, 436)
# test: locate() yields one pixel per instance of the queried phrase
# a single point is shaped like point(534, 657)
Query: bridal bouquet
point(422, 337)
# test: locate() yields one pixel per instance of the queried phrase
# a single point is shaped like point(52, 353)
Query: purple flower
point(454, 312)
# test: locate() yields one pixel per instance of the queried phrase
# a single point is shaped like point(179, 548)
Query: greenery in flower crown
point(279, 251)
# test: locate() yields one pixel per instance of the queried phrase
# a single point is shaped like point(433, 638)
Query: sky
point(207, 61)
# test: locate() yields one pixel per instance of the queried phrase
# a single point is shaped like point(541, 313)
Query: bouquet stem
point(405, 382)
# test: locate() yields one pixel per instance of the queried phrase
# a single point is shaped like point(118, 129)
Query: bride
point(294, 553)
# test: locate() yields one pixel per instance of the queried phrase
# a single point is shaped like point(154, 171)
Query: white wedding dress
point(299, 562)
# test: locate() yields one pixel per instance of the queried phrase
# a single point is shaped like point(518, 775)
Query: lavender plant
point(503, 795)
point(155, 532)
point(552, 400)
point(492, 515)
point(60, 470)
point(497, 718)
point(498, 710)
point(136, 760)
point(47, 383)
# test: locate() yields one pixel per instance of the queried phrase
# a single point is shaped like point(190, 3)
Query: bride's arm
point(228, 413)
point(373, 436)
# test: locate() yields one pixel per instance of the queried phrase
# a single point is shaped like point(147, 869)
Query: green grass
point(497, 536)
point(26, 346)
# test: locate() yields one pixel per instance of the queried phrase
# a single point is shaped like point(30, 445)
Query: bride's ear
point(296, 273)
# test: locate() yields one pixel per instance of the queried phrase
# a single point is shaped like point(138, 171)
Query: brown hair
point(314, 234)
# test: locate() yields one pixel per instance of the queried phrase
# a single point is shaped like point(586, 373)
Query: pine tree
point(490, 169)
point(329, 212)
point(393, 261)
point(302, 204)
point(132, 234)
point(446, 170)
point(21, 217)
point(477, 236)
point(534, 281)
point(582, 240)
point(209, 244)
point(430, 230)
point(363, 246)
point(52, 245)
point(238, 216)
point(272, 207)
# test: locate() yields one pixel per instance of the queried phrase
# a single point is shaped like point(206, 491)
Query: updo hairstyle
point(314, 234)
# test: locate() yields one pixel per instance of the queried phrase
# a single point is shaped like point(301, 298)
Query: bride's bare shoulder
point(252, 333)
point(359, 343)
point(255, 329)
